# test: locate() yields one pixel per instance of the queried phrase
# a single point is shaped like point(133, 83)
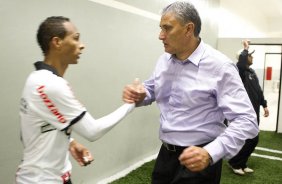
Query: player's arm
point(92, 129)
point(64, 110)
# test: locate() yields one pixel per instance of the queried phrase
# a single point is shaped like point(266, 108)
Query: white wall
point(119, 47)
point(275, 27)
point(236, 20)
point(246, 19)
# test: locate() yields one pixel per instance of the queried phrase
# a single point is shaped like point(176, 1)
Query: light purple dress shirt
point(194, 96)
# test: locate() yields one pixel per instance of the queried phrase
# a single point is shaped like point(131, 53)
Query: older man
point(195, 87)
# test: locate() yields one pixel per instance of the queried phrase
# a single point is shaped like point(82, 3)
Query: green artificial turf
point(266, 171)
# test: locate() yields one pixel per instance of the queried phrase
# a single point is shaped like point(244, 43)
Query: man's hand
point(195, 158)
point(134, 93)
point(266, 112)
point(80, 153)
point(246, 44)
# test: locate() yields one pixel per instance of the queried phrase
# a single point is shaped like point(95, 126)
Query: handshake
point(134, 93)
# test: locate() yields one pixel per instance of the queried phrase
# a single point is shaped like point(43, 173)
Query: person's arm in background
point(243, 60)
point(263, 102)
point(266, 112)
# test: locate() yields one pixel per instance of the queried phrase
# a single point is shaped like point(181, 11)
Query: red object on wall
point(268, 73)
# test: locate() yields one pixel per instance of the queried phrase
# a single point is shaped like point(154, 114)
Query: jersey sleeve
point(92, 129)
point(56, 104)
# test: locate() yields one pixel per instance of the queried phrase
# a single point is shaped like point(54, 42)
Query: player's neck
point(57, 64)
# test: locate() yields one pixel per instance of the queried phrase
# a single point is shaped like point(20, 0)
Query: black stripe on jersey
point(75, 120)
point(47, 128)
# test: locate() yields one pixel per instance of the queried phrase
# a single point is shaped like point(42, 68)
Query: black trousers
point(241, 159)
point(168, 170)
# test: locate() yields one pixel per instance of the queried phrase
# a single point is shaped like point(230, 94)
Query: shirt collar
point(39, 65)
point(197, 55)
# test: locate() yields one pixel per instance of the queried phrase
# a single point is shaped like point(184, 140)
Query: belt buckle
point(169, 147)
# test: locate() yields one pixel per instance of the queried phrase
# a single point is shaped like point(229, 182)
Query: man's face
point(173, 34)
point(71, 46)
point(250, 60)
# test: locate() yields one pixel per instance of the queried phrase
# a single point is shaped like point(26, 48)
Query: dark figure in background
point(251, 83)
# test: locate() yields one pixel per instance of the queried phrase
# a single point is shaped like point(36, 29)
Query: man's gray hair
point(185, 12)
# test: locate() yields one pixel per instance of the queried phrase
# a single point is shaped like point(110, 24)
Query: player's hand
point(134, 93)
point(195, 158)
point(80, 153)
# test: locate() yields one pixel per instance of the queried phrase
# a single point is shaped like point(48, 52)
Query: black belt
point(174, 148)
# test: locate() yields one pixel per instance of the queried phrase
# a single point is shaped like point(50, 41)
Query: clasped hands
point(134, 93)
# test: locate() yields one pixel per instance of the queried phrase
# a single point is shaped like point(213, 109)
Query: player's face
point(173, 34)
point(71, 45)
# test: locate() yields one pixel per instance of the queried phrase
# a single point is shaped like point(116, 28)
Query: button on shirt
point(194, 96)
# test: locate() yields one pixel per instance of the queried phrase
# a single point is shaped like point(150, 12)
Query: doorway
point(267, 64)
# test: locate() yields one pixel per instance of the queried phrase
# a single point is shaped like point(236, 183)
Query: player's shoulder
point(44, 79)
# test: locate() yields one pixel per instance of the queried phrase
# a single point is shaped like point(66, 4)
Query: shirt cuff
point(215, 151)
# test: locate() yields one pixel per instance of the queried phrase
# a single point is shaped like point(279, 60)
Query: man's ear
point(190, 29)
point(56, 42)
